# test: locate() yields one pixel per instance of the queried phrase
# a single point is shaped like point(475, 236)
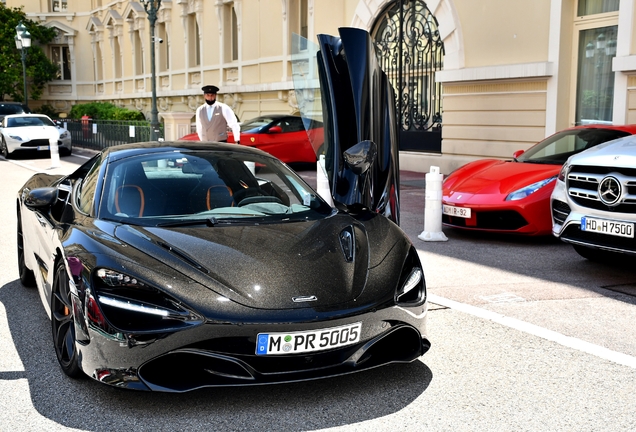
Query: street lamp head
point(20, 28)
point(26, 39)
point(18, 42)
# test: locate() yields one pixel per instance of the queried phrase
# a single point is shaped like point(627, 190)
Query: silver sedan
point(24, 132)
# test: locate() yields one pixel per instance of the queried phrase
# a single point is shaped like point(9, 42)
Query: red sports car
point(287, 137)
point(514, 196)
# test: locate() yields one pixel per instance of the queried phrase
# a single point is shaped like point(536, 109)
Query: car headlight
point(565, 169)
point(15, 137)
point(412, 288)
point(132, 305)
point(64, 135)
point(528, 190)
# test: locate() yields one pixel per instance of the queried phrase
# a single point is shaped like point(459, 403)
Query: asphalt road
point(526, 336)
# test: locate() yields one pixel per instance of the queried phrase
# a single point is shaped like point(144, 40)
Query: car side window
point(296, 124)
point(86, 190)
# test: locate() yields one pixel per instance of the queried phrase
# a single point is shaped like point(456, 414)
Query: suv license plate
point(307, 341)
point(609, 227)
point(463, 212)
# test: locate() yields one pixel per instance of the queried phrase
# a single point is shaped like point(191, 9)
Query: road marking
point(567, 341)
point(506, 297)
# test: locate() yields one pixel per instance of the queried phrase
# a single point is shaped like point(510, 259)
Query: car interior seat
point(136, 196)
point(130, 200)
point(210, 193)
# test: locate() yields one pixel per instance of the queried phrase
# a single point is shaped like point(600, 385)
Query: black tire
point(63, 324)
point(66, 152)
point(27, 277)
point(4, 149)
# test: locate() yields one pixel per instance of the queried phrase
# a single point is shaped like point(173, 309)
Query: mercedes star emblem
point(609, 190)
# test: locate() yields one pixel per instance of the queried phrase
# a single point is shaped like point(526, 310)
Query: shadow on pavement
point(87, 404)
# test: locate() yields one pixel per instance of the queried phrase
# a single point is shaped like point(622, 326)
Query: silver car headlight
point(64, 135)
point(528, 190)
point(15, 137)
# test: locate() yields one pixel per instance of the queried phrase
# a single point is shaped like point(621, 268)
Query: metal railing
point(99, 134)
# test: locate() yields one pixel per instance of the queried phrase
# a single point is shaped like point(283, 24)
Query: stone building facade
point(513, 71)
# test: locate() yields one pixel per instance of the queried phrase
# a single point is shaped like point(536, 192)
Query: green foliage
point(39, 69)
point(48, 110)
point(104, 111)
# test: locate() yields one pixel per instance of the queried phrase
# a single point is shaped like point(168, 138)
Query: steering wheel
point(259, 199)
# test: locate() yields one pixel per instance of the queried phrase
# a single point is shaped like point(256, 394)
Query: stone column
point(176, 124)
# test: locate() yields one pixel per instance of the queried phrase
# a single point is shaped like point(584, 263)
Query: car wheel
point(594, 254)
point(66, 151)
point(5, 149)
point(63, 323)
point(27, 278)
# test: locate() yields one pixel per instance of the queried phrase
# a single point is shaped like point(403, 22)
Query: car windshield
point(28, 121)
point(189, 187)
point(557, 148)
point(255, 123)
point(11, 109)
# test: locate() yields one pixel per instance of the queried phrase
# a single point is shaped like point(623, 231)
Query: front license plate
point(609, 227)
point(463, 212)
point(42, 148)
point(307, 341)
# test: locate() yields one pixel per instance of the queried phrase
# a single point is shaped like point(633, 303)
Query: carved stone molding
point(233, 100)
point(165, 104)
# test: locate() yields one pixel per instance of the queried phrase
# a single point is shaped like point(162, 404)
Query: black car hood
point(268, 265)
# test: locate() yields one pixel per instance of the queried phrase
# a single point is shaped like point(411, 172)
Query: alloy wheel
point(63, 324)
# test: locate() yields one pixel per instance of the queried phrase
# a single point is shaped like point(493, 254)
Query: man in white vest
point(213, 118)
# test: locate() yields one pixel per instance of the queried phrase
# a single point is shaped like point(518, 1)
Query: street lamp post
point(23, 43)
point(152, 6)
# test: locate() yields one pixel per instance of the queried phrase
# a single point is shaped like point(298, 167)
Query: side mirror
point(275, 129)
point(40, 198)
point(361, 156)
point(518, 153)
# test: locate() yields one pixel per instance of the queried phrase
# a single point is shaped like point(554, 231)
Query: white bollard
point(55, 152)
point(433, 210)
point(322, 182)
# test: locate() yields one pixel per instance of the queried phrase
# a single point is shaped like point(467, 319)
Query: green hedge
point(104, 111)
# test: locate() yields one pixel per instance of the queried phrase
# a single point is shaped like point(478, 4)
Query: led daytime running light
point(134, 307)
point(413, 280)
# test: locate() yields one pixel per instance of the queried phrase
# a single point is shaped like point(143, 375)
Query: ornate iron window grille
point(410, 50)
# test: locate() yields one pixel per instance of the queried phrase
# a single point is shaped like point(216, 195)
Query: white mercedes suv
point(594, 201)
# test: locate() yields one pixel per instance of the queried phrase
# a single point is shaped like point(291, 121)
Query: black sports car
point(173, 266)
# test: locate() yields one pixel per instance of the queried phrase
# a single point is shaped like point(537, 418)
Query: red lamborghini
point(513, 196)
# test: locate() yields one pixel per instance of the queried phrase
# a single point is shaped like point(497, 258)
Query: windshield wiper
point(545, 161)
point(211, 221)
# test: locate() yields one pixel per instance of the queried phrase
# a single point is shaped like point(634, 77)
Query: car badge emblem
point(252, 139)
point(609, 190)
point(302, 299)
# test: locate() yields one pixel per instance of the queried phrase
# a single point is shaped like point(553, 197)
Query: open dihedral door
point(358, 110)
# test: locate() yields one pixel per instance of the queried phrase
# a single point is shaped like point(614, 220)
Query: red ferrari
point(514, 196)
point(287, 137)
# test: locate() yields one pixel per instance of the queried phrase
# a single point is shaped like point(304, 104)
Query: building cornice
point(511, 71)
